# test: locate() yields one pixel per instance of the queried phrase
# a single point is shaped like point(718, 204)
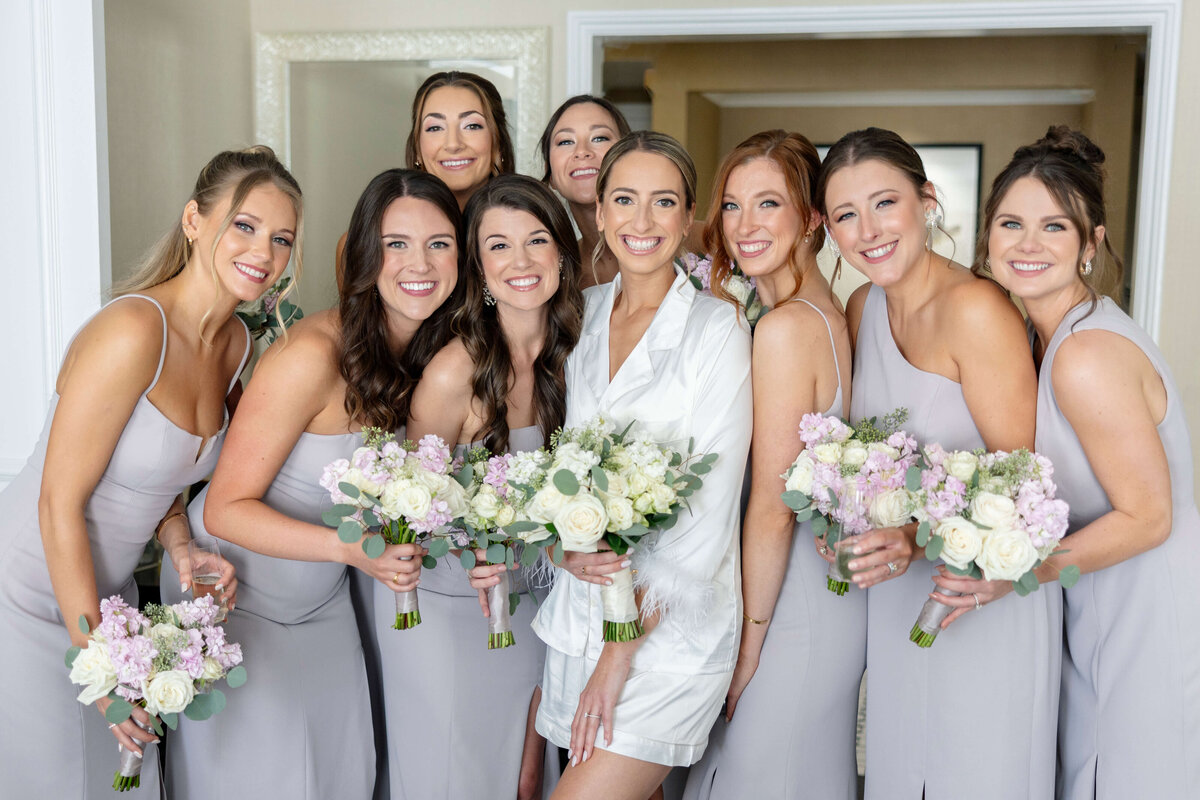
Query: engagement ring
point(891, 565)
point(978, 605)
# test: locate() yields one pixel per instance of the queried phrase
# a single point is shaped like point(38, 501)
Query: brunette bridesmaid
point(950, 348)
point(1110, 417)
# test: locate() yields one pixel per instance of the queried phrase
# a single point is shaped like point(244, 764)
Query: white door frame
point(1158, 19)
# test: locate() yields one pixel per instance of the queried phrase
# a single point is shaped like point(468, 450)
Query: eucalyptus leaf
point(374, 546)
point(439, 547)
point(1029, 581)
point(557, 553)
point(676, 460)
point(701, 468)
point(370, 498)
point(529, 556)
point(514, 600)
point(709, 459)
point(467, 559)
point(912, 479)
point(510, 558)
point(691, 445)
point(566, 482)
point(804, 515)
point(332, 518)
point(833, 498)
point(819, 526)
point(934, 548)
point(464, 475)
point(201, 708)
point(171, 719)
point(72, 654)
point(923, 533)
point(118, 711)
point(83, 624)
point(669, 522)
point(218, 701)
point(349, 531)
point(349, 489)
point(696, 282)
point(371, 519)
point(796, 500)
point(158, 731)
point(1069, 576)
point(635, 530)
point(236, 677)
point(495, 553)
point(428, 561)
point(600, 478)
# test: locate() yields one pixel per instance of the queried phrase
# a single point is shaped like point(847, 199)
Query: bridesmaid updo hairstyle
point(797, 158)
point(379, 383)
point(504, 161)
point(546, 140)
point(659, 144)
point(232, 173)
point(1070, 166)
point(479, 327)
point(878, 144)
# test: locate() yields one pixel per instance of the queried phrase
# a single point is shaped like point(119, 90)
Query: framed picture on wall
point(954, 170)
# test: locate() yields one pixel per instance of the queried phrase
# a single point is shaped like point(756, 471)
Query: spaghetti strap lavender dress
point(793, 734)
point(1129, 722)
point(456, 711)
point(301, 726)
point(975, 715)
point(51, 745)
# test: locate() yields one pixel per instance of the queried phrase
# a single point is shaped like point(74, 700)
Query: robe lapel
point(664, 333)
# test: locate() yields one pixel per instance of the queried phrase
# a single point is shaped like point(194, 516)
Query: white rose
point(581, 522)
point(1007, 555)
point(413, 500)
point(961, 464)
point(961, 541)
point(544, 505)
point(617, 485)
point(664, 497)
point(638, 483)
point(800, 477)
point(486, 503)
point(644, 503)
point(828, 453)
point(534, 536)
point(884, 447)
point(456, 498)
point(94, 670)
point(993, 510)
point(432, 481)
point(164, 631)
point(854, 454)
point(620, 513)
point(212, 669)
point(890, 509)
point(169, 692)
point(505, 516)
point(739, 288)
point(571, 456)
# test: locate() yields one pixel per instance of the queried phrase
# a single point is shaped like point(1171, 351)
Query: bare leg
point(658, 793)
point(608, 776)
point(529, 786)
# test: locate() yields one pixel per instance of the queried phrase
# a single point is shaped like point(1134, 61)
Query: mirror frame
point(274, 53)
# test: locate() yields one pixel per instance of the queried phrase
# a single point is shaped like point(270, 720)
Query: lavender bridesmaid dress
point(975, 715)
point(793, 734)
point(455, 710)
point(1129, 724)
point(52, 746)
point(301, 726)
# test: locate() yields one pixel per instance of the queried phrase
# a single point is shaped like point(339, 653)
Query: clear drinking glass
point(206, 573)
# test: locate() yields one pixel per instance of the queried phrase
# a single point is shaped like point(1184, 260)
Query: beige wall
point(164, 121)
point(180, 89)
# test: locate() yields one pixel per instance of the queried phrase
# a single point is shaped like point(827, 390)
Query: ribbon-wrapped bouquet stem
point(987, 515)
point(619, 487)
point(165, 659)
point(394, 493)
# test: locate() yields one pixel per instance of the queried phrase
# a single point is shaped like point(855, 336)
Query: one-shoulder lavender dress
point(975, 715)
point(793, 734)
point(1129, 722)
point(301, 727)
point(456, 711)
point(52, 746)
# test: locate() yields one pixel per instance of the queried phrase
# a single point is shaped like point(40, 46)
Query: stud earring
point(1086, 269)
point(488, 299)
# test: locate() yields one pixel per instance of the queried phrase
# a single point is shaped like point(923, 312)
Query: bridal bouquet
point(849, 480)
point(987, 515)
point(619, 487)
point(261, 317)
point(740, 287)
point(165, 659)
point(393, 493)
point(491, 524)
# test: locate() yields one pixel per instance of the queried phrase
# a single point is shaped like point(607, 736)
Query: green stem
point(497, 641)
point(920, 637)
point(837, 587)
point(622, 631)
point(408, 620)
point(124, 784)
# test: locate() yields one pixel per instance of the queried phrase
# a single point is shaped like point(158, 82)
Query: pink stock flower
point(497, 473)
point(433, 454)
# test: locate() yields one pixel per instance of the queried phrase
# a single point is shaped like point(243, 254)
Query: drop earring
point(833, 245)
point(488, 299)
point(808, 236)
point(1086, 269)
point(933, 221)
point(560, 263)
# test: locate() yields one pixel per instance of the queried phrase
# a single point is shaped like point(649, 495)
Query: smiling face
point(455, 141)
point(519, 258)
point(878, 219)
point(584, 133)
point(759, 222)
point(420, 259)
point(254, 250)
point(1033, 246)
point(643, 214)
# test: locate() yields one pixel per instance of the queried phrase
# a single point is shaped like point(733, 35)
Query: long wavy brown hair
point(504, 161)
point(478, 324)
point(797, 159)
point(380, 382)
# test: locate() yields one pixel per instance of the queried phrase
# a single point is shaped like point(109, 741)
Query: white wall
point(53, 201)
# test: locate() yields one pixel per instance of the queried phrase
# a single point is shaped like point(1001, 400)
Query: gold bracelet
point(749, 618)
point(164, 521)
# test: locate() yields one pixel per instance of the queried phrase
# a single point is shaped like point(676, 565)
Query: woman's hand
point(484, 576)
point(975, 594)
point(823, 549)
point(128, 733)
point(398, 568)
point(599, 698)
point(882, 554)
point(747, 665)
point(226, 588)
point(595, 567)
